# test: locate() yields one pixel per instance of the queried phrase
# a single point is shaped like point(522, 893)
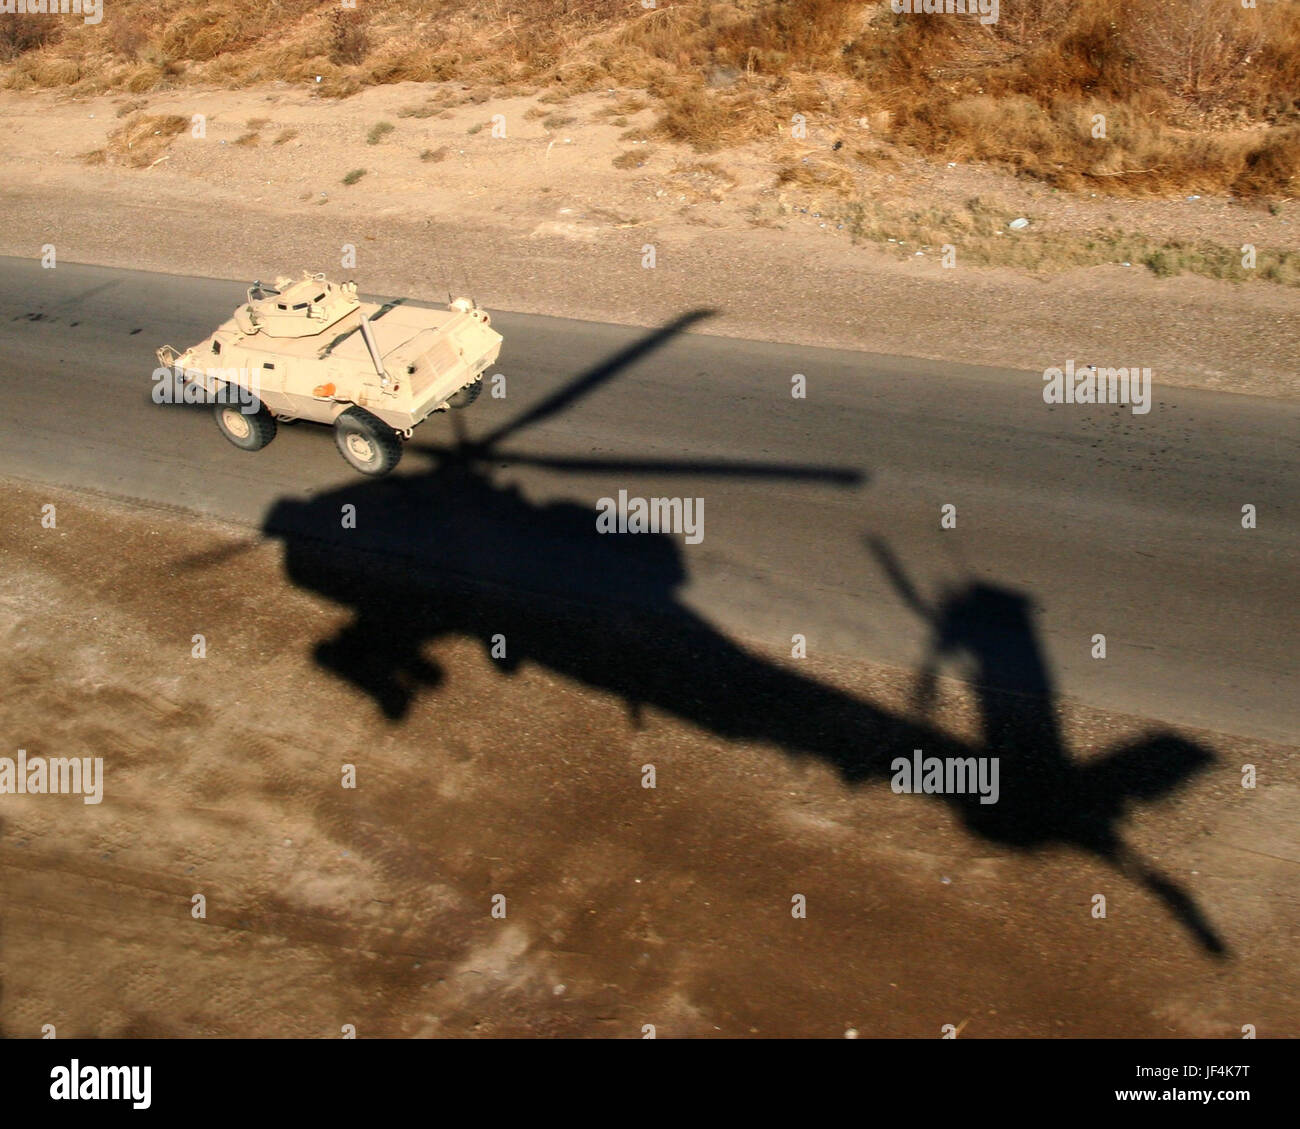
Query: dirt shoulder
point(541, 220)
point(625, 906)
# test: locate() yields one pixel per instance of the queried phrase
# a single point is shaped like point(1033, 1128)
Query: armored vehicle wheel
point(366, 442)
point(466, 395)
point(248, 432)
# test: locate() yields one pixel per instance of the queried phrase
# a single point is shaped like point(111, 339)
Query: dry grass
point(979, 232)
point(141, 141)
point(700, 181)
point(428, 110)
point(1197, 95)
point(633, 158)
point(815, 176)
point(23, 32)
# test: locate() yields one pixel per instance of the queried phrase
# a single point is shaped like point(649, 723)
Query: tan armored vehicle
point(311, 349)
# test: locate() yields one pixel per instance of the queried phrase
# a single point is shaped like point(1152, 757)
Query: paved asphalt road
point(1111, 523)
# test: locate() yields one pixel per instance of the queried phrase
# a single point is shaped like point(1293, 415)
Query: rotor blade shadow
point(738, 468)
point(593, 378)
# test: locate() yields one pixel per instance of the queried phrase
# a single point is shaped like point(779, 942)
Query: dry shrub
point(45, 69)
point(428, 110)
point(1032, 22)
point(349, 40)
point(198, 36)
point(709, 120)
point(782, 34)
point(144, 138)
point(1054, 143)
point(580, 76)
point(1271, 166)
point(1197, 49)
point(126, 35)
point(23, 32)
point(143, 78)
point(633, 158)
point(813, 175)
point(629, 104)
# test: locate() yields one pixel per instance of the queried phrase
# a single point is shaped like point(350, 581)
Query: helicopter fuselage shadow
point(451, 555)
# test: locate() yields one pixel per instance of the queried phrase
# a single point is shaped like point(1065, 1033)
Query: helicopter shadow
point(449, 551)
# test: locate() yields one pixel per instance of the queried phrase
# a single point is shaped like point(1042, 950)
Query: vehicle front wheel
point(366, 442)
point(466, 395)
point(249, 431)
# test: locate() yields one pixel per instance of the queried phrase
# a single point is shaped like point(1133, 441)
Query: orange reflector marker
point(323, 390)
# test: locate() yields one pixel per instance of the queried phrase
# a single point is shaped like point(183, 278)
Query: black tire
point(249, 431)
point(366, 442)
point(466, 395)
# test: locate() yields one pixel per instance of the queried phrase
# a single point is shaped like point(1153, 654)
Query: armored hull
point(312, 350)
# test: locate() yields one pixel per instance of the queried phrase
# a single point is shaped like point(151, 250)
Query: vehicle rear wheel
point(466, 395)
point(249, 431)
point(366, 442)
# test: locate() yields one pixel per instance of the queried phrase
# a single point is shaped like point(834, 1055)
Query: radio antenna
point(437, 259)
point(469, 285)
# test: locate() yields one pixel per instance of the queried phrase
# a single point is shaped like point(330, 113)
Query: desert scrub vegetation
point(633, 158)
point(979, 230)
point(354, 176)
point(1195, 95)
point(378, 132)
point(142, 140)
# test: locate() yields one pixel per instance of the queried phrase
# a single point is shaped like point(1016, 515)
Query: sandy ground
point(624, 906)
point(542, 221)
